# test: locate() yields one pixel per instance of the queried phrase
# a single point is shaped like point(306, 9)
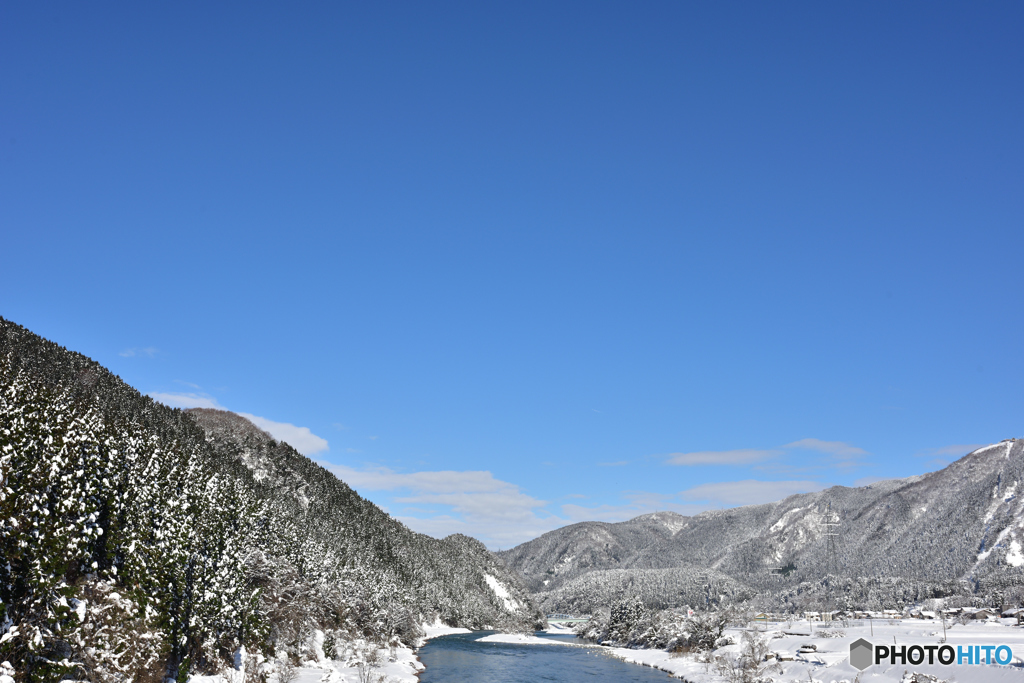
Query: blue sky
point(510, 266)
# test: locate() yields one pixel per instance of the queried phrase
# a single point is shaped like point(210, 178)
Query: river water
point(460, 659)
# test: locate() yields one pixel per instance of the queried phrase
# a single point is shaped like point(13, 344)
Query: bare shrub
point(749, 665)
point(287, 672)
point(831, 633)
point(368, 658)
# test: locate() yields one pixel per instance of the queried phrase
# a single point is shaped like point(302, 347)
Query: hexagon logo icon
point(861, 654)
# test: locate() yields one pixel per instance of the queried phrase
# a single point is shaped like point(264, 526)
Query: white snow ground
point(830, 662)
point(827, 664)
point(437, 629)
point(400, 665)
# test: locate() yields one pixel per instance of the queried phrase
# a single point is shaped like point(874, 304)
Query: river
point(460, 659)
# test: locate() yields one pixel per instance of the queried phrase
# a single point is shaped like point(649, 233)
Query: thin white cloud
point(839, 449)
point(639, 503)
point(299, 438)
point(508, 505)
point(749, 491)
point(475, 503)
point(385, 479)
point(148, 352)
point(843, 454)
point(189, 400)
point(957, 450)
point(494, 537)
point(736, 457)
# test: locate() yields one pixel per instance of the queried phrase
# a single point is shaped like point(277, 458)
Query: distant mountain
point(961, 528)
point(138, 542)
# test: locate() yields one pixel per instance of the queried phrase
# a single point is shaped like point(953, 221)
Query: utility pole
point(831, 554)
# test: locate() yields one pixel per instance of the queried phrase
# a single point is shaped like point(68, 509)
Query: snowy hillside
point(140, 541)
point(962, 526)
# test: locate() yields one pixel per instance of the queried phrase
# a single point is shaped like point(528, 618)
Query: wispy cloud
point(189, 400)
point(147, 352)
point(637, 503)
point(955, 450)
point(475, 503)
point(378, 478)
point(749, 491)
point(837, 448)
point(841, 454)
point(737, 457)
point(939, 458)
point(299, 438)
point(692, 501)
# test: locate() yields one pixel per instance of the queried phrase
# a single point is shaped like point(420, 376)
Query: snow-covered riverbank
point(399, 664)
point(800, 650)
point(809, 652)
point(436, 630)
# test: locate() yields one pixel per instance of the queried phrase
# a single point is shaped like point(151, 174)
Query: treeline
point(656, 589)
point(630, 623)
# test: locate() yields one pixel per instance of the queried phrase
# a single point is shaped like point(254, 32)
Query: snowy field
point(828, 661)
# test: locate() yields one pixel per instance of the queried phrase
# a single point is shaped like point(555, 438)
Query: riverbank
point(399, 664)
point(436, 630)
point(800, 649)
point(806, 651)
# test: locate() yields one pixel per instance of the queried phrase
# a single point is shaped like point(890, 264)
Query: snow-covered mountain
point(138, 541)
point(964, 523)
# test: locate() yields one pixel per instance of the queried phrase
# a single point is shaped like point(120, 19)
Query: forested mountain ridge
point(140, 541)
point(960, 526)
